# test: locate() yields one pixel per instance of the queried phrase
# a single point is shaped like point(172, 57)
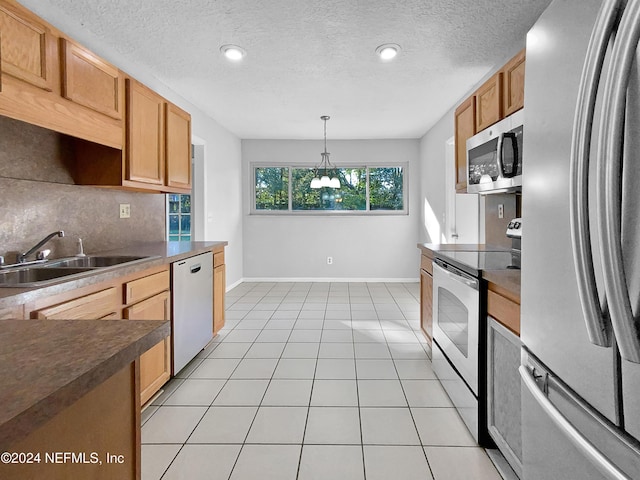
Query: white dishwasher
point(192, 287)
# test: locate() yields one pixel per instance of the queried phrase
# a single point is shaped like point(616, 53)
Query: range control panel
point(514, 229)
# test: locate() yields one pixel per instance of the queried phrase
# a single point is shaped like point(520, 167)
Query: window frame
point(180, 235)
point(367, 212)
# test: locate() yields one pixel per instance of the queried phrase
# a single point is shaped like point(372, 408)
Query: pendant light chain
point(325, 165)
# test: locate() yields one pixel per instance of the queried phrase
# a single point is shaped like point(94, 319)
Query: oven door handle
point(456, 275)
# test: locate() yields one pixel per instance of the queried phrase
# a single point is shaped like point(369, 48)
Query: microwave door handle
point(596, 318)
point(514, 147)
point(610, 183)
point(500, 154)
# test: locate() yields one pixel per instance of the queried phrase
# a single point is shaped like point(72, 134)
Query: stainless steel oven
point(456, 335)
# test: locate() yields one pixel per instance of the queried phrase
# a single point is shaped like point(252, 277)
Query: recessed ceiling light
point(388, 51)
point(233, 52)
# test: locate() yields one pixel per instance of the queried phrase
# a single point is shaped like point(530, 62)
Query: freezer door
point(553, 324)
point(564, 438)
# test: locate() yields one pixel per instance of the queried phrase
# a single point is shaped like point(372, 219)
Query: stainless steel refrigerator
point(581, 249)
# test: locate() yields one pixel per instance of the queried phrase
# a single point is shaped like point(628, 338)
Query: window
point(179, 217)
point(363, 190)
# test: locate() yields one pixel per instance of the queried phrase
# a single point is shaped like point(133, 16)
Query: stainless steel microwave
point(494, 157)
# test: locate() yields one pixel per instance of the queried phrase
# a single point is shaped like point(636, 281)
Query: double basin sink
point(52, 270)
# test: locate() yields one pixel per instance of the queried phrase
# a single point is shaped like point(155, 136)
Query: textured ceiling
point(308, 58)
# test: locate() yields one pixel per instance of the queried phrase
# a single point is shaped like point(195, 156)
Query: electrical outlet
point(125, 210)
point(500, 210)
point(329, 260)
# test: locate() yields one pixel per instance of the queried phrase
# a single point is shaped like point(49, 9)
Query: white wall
point(362, 247)
point(221, 212)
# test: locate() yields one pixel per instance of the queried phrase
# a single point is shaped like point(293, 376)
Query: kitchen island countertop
point(50, 364)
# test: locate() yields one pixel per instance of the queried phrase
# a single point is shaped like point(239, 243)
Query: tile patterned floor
point(312, 381)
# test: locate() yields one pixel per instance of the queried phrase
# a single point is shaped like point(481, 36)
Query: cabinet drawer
point(218, 259)
point(504, 310)
point(90, 307)
point(145, 287)
point(426, 264)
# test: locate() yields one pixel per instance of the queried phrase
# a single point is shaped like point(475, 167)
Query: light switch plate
point(125, 210)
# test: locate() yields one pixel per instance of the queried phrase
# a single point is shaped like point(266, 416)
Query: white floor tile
point(335, 369)
point(441, 426)
point(195, 392)
point(267, 462)
point(276, 336)
point(189, 368)
point(156, 459)
point(400, 336)
point(334, 393)
point(388, 426)
point(305, 336)
point(280, 324)
point(336, 350)
point(147, 413)
point(406, 463)
point(203, 462)
point(301, 350)
point(295, 368)
point(369, 336)
point(280, 425)
point(242, 393)
point(407, 351)
point(230, 350)
point(171, 424)
point(337, 336)
point(285, 314)
point(265, 350)
point(381, 393)
point(288, 393)
point(342, 324)
point(415, 369)
point(255, 368)
point(306, 324)
point(375, 369)
point(224, 425)
point(331, 462)
point(333, 426)
point(425, 393)
point(216, 368)
point(168, 389)
point(461, 463)
point(372, 350)
point(241, 336)
point(247, 324)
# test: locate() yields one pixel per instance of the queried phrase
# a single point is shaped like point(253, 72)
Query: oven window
point(453, 319)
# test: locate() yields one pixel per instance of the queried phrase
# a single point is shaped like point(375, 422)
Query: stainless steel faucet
point(22, 257)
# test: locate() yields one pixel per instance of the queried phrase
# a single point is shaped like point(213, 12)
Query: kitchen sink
point(45, 273)
point(36, 276)
point(93, 262)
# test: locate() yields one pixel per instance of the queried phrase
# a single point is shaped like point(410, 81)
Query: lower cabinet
point(219, 291)
point(155, 364)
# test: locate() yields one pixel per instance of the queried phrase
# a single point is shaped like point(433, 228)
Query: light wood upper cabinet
point(178, 147)
point(90, 81)
point(28, 48)
point(489, 102)
point(513, 78)
point(145, 135)
point(465, 128)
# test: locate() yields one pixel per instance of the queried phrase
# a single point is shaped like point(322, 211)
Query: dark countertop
point(162, 253)
point(508, 280)
point(47, 365)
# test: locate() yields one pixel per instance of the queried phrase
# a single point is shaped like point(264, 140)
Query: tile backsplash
point(38, 197)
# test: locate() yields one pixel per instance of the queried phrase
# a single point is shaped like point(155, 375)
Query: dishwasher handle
point(196, 268)
point(456, 274)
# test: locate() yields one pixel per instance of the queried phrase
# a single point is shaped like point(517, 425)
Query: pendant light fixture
point(325, 167)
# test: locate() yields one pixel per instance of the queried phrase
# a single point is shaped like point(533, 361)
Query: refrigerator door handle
point(608, 469)
point(610, 182)
point(596, 318)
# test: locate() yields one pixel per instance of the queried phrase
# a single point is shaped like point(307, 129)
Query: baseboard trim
point(326, 279)
point(234, 285)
